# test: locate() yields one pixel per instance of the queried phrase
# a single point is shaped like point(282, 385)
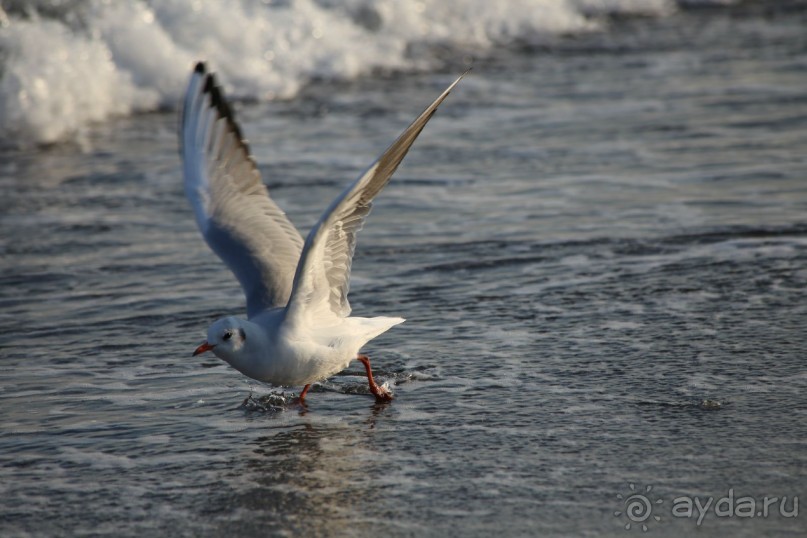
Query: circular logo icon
point(638, 507)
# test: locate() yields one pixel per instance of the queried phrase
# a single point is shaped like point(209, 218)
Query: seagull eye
point(227, 336)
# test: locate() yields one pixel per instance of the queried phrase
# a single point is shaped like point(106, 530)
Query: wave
point(65, 64)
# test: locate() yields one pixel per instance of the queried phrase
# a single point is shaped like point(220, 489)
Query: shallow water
point(600, 246)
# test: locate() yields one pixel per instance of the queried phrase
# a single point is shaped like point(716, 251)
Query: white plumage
point(299, 329)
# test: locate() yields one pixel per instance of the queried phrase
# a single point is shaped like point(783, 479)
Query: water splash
point(64, 65)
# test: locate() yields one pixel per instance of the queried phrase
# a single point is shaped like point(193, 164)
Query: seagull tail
point(369, 328)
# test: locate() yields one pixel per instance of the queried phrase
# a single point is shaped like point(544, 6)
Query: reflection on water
point(311, 479)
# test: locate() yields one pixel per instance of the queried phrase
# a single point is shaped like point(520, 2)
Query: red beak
point(201, 349)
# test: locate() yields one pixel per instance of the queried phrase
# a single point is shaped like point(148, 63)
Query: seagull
point(298, 329)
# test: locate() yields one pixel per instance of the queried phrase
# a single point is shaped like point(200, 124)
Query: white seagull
point(299, 329)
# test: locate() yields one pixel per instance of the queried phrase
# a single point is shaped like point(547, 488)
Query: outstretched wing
point(233, 210)
point(322, 280)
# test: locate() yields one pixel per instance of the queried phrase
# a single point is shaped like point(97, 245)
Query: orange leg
point(381, 394)
point(302, 394)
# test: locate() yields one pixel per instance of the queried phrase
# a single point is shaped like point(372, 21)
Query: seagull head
point(225, 338)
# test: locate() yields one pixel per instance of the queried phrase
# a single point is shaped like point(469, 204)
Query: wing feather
point(234, 212)
point(322, 280)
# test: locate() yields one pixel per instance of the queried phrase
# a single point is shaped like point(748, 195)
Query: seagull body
point(299, 329)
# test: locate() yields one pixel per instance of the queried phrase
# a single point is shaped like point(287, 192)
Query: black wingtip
point(210, 86)
point(218, 101)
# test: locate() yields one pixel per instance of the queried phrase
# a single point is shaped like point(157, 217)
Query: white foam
point(104, 58)
point(54, 82)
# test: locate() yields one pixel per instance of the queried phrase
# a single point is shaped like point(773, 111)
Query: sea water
point(599, 243)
